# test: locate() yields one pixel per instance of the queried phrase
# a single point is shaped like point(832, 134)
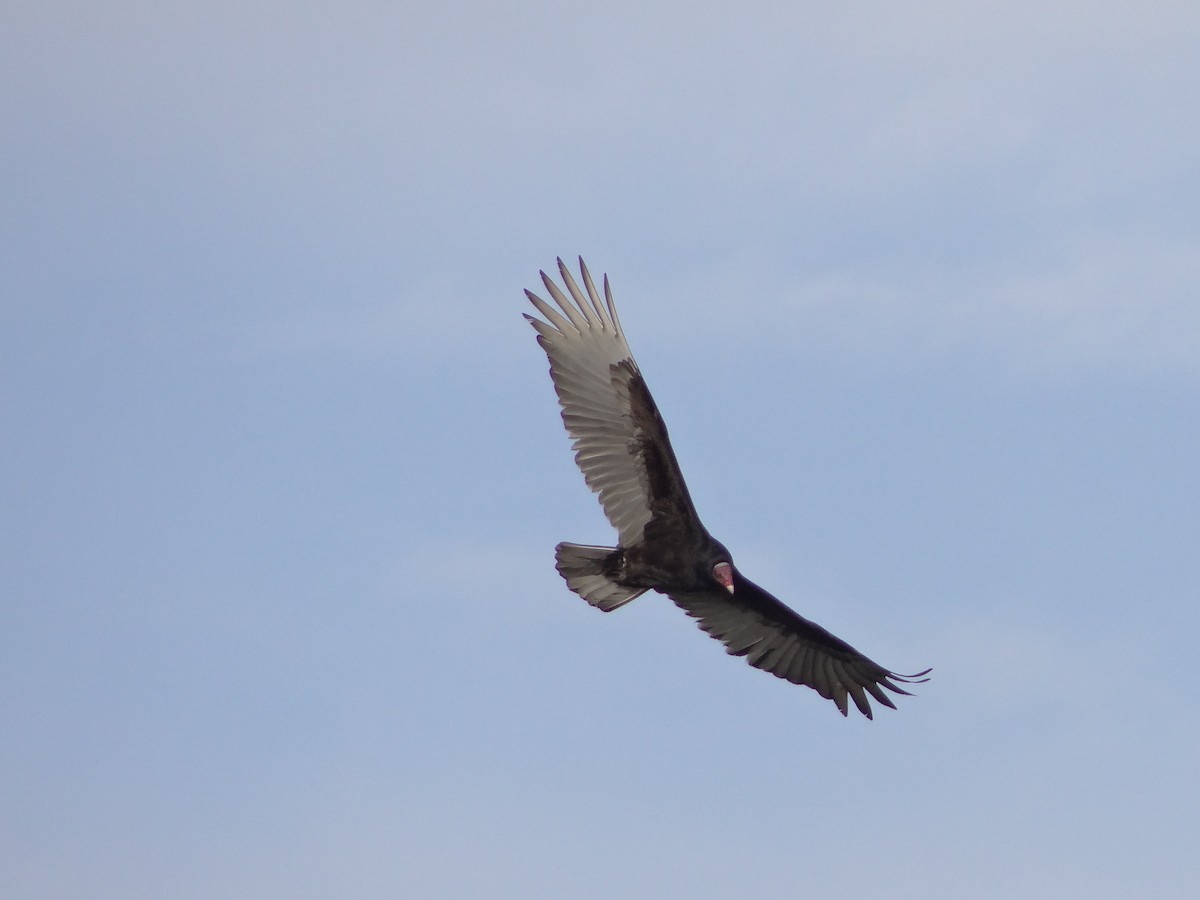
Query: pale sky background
point(281, 469)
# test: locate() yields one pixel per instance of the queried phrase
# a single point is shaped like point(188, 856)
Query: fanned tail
point(583, 568)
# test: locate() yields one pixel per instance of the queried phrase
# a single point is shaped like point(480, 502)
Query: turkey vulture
point(621, 446)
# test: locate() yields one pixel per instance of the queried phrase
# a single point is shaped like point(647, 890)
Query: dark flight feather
point(622, 448)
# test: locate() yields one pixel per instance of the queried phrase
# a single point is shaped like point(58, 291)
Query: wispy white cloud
point(1105, 303)
point(1119, 303)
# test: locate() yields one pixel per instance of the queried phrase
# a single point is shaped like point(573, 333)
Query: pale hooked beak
point(723, 573)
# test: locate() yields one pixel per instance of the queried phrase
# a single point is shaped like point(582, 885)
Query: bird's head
point(722, 574)
point(720, 565)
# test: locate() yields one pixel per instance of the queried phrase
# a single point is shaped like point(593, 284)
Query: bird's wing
point(619, 438)
point(752, 623)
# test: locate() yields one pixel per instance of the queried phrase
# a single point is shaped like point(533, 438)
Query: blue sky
point(282, 471)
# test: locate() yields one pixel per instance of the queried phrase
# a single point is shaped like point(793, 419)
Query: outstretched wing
point(752, 623)
point(619, 438)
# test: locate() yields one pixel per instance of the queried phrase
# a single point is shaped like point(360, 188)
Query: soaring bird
point(622, 448)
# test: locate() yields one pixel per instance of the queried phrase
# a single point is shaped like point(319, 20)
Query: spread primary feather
point(622, 448)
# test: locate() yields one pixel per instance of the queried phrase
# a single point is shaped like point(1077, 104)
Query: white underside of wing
point(591, 365)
